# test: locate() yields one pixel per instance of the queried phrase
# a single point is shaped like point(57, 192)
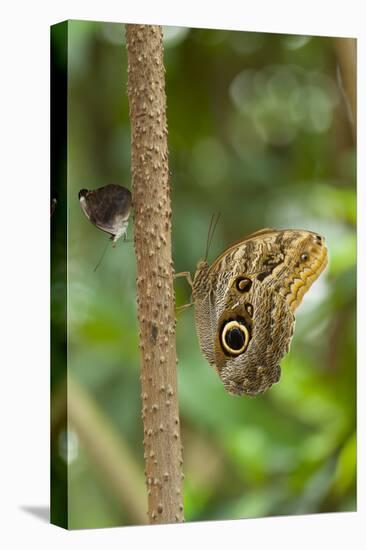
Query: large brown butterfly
point(245, 303)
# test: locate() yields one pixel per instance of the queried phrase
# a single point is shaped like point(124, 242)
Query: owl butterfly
point(245, 303)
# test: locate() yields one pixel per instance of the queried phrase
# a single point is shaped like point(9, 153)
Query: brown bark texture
point(155, 293)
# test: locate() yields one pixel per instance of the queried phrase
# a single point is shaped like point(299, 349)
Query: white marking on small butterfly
point(121, 231)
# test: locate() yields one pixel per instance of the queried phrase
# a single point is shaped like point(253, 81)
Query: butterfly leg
point(114, 240)
point(188, 278)
point(186, 275)
point(185, 306)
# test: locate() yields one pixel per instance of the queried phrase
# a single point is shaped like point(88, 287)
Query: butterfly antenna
point(211, 231)
point(102, 256)
point(208, 236)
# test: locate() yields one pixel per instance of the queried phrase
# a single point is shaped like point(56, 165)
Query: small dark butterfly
point(108, 208)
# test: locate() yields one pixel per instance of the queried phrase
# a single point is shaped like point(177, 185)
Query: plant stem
point(155, 293)
point(346, 49)
point(107, 450)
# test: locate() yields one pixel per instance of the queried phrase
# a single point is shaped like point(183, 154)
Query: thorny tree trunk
point(155, 294)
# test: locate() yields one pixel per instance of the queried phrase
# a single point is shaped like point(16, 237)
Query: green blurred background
point(260, 131)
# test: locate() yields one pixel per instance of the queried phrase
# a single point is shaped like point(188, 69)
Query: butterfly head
point(83, 193)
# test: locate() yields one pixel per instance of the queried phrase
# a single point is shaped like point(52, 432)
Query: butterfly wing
point(246, 299)
point(107, 208)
